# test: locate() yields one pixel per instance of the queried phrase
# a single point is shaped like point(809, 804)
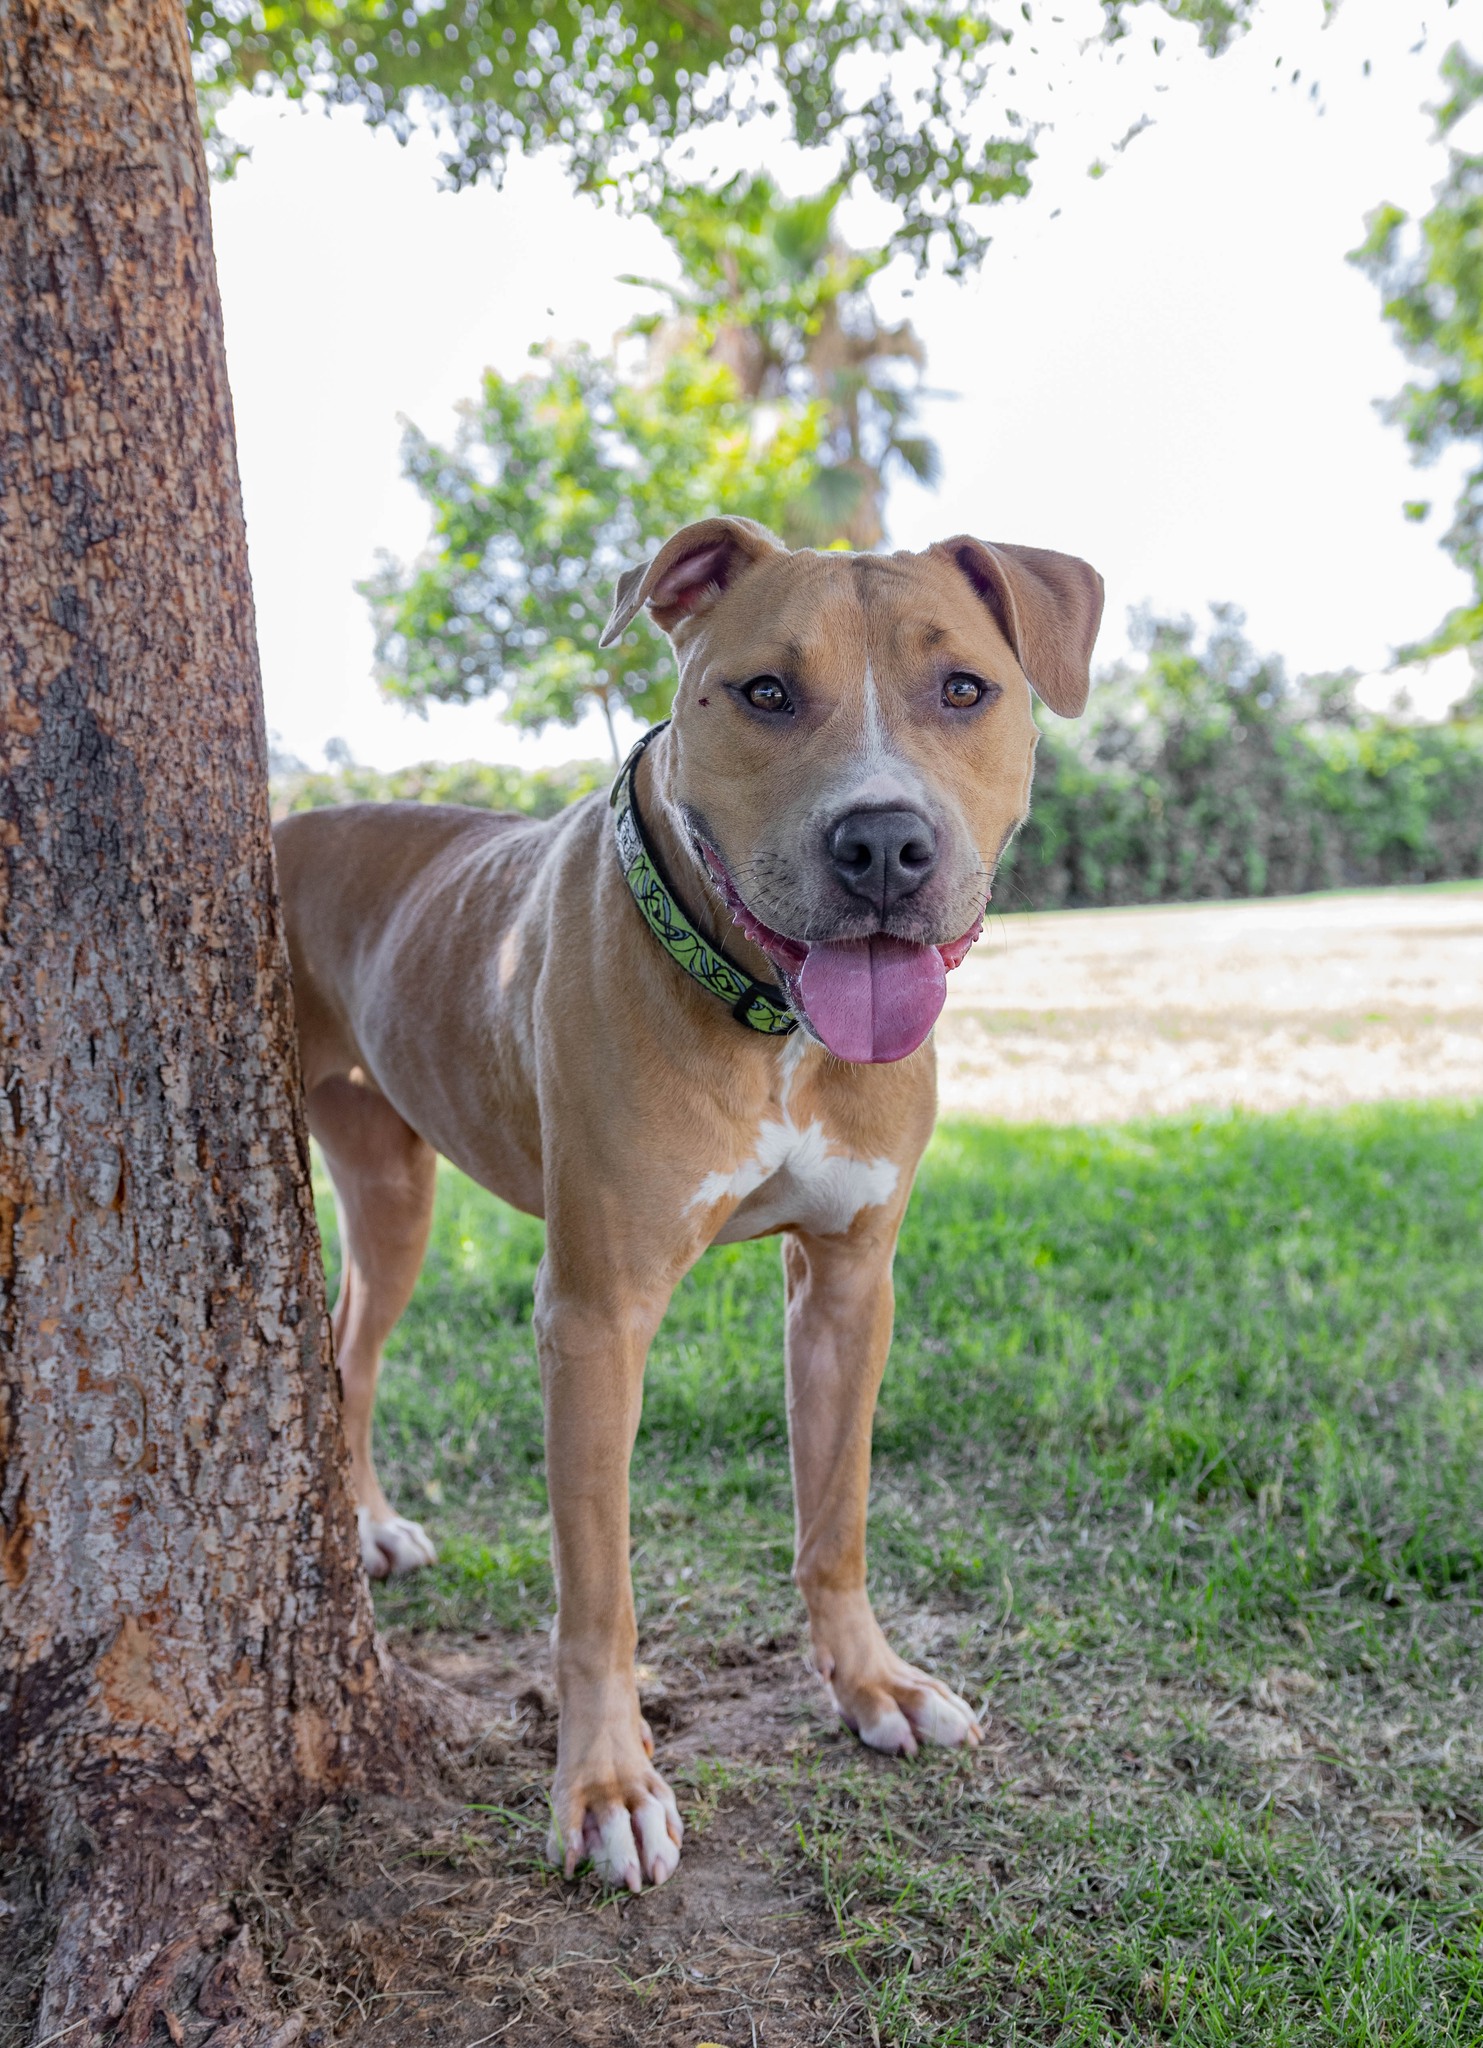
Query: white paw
point(923, 1710)
point(394, 1546)
point(626, 1847)
point(946, 1719)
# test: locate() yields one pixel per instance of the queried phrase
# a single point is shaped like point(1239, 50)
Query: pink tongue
point(872, 999)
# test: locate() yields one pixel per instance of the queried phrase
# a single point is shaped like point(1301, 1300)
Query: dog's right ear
point(689, 573)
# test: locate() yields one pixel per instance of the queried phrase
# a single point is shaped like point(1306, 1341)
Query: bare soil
point(1098, 1015)
point(433, 1919)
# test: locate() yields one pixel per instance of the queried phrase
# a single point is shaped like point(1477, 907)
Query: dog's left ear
point(1048, 607)
point(689, 573)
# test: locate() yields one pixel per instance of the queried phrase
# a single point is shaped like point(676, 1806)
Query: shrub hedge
point(1204, 773)
point(1201, 772)
point(540, 793)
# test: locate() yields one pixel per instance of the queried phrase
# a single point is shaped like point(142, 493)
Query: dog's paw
point(394, 1546)
point(629, 1834)
point(896, 1708)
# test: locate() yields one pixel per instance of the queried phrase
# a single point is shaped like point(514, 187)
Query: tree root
point(234, 1992)
point(88, 2000)
point(437, 1722)
point(144, 1940)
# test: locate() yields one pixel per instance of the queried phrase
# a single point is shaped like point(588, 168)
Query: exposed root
point(144, 1937)
point(154, 1994)
point(106, 1981)
point(234, 1992)
point(437, 1723)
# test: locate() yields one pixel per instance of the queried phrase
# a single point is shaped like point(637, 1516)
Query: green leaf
point(493, 77)
point(1430, 275)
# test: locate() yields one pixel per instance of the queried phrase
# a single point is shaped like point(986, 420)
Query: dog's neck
point(653, 780)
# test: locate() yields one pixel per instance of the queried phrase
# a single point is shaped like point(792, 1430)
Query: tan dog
point(850, 751)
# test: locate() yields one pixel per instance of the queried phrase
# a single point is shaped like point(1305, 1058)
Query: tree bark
point(186, 1644)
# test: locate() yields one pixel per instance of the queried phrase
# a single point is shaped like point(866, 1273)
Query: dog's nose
point(883, 855)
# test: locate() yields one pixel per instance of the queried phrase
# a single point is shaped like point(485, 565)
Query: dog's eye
point(766, 693)
point(962, 692)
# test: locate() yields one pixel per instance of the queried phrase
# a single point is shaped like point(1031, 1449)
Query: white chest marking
point(794, 1178)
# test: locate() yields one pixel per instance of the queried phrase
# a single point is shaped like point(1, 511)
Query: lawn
point(1179, 1471)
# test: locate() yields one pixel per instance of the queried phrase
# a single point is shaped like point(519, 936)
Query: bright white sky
point(1170, 370)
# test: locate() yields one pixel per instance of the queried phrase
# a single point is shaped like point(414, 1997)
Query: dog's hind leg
point(384, 1180)
point(838, 1333)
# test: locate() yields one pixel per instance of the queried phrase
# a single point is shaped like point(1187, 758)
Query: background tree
point(1203, 771)
point(611, 92)
point(770, 289)
point(186, 1647)
point(771, 388)
point(553, 484)
point(487, 785)
point(1431, 273)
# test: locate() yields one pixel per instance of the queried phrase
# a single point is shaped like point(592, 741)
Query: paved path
point(1091, 1015)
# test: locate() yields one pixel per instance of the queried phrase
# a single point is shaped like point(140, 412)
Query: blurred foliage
point(610, 87)
point(540, 793)
point(1203, 772)
point(553, 485)
point(769, 289)
point(1431, 275)
point(770, 388)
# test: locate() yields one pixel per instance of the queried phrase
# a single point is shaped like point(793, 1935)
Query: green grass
point(1179, 1467)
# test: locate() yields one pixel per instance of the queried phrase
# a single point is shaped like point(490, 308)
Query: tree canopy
point(610, 87)
point(1431, 274)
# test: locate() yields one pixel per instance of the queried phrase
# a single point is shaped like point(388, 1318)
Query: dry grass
point(829, 1895)
point(1314, 1001)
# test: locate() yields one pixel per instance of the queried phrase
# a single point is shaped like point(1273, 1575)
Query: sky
point(1170, 368)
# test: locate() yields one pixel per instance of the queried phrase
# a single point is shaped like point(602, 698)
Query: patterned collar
point(758, 1004)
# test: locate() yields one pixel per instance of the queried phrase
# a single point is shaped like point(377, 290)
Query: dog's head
point(852, 748)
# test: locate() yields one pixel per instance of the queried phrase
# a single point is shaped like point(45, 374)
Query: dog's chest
point(795, 1176)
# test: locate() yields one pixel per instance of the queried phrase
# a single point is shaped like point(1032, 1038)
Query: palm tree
point(772, 291)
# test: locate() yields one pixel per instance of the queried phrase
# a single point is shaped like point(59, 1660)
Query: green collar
point(755, 1003)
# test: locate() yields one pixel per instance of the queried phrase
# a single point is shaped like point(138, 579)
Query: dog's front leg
point(609, 1804)
point(840, 1309)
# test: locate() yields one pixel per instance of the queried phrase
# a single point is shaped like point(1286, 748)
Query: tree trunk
point(186, 1643)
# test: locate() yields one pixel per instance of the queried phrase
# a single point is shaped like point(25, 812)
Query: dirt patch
point(396, 1924)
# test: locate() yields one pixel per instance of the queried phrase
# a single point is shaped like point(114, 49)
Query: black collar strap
point(755, 1003)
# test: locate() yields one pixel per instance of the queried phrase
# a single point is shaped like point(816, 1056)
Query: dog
point(697, 1013)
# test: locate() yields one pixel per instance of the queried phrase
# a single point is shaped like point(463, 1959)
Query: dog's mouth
point(868, 1000)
